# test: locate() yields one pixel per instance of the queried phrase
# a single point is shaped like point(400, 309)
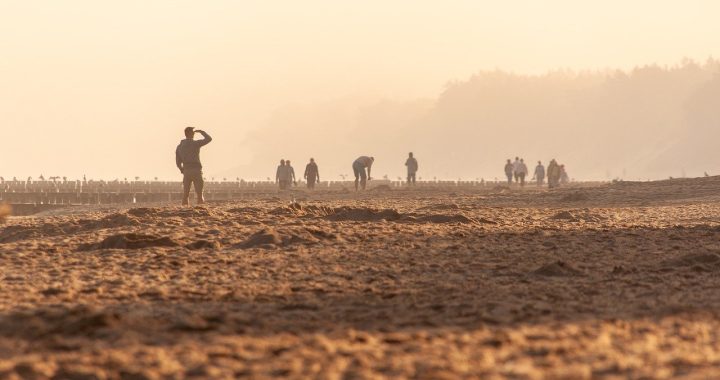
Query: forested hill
point(651, 122)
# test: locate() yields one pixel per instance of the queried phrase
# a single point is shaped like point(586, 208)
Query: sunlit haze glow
point(105, 88)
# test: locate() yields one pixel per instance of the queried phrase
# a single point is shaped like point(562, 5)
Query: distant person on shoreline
point(359, 166)
point(553, 174)
point(564, 178)
point(290, 173)
point(539, 174)
point(521, 172)
point(412, 168)
point(509, 170)
point(187, 159)
point(281, 176)
point(516, 166)
point(312, 174)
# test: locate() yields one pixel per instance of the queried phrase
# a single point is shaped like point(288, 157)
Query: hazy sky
point(106, 87)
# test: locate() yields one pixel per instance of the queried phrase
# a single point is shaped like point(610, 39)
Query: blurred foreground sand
point(614, 281)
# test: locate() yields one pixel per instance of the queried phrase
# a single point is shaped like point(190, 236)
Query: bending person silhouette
point(359, 166)
point(187, 159)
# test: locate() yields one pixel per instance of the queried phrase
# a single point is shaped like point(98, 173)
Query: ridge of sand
point(614, 281)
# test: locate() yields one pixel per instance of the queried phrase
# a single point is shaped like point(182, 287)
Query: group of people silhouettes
point(518, 170)
point(285, 174)
point(187, 159)
point(362, 169)
point(363, 165)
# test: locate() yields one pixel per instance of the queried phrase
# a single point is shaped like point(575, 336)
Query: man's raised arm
point(206, 138)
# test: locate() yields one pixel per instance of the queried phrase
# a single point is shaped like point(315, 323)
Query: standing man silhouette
point(187, 159)
point(281, 176)
point(412, 168)
point(540, 173)
point(312, 174)
point(509, 169)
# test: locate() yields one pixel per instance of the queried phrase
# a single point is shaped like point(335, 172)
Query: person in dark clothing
point(509, 171)
point(412, 168)
point(312, 174)
point(539, 174)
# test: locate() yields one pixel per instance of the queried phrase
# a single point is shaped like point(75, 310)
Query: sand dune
point(614, 281)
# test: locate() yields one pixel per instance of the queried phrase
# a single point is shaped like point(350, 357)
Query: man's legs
point(509, 177)
point(357, 170)
point(187, 181)
point(193, 177)
point(363, 179)
point(199, 185)
point(522, 179)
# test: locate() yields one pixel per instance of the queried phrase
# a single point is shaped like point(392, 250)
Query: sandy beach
point(611, 281)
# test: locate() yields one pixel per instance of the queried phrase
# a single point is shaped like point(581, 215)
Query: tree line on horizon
point(650, 122)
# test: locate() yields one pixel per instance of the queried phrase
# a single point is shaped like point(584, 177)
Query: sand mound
point(564, 215)
point(264, 237)
point(110, 221)
point(297, 209)
point(245, 210)
point(557, 269)
point(149, 212)
point(18, 232)
point(698, 262)
point(131, 241)
point(271, 238)
point(195, 212)
point(203, 244)
point(381, 188)
point(23, 232)
point(445, 218)
point(441, 207)
point(363, 214)
point(577, 196)
point(64, 321)
point(578, 216)
point(5, 211)
point(143, 211)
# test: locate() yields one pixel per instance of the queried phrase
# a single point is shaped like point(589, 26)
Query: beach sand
point(611, 281)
